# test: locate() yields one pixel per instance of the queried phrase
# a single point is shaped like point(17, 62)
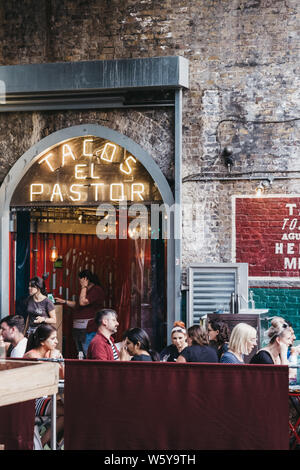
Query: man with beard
point(12, 328)
point(102, 346)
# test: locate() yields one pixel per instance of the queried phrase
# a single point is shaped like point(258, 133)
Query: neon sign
point(85, 170)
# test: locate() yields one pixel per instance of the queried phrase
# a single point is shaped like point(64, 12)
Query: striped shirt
point(115, 351)
point(102, 348)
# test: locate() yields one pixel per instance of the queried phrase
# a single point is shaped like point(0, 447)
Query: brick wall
point(244, 92)
point(19, 131)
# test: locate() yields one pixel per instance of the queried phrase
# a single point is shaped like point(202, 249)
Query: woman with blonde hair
point(198, 349)
point(280, 338)
point(179, 342)
point(242, 340)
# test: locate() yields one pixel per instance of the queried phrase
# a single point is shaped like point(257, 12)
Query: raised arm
point(69, 303)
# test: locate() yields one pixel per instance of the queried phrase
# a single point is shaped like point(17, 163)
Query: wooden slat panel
point(26, 380)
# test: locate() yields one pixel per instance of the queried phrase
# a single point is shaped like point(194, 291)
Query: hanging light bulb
point(53, 254)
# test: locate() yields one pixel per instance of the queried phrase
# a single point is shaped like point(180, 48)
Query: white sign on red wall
point(266, 235)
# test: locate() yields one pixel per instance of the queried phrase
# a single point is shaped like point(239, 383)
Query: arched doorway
point(56, 188)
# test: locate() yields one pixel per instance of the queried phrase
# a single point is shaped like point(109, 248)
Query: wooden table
point(22, 380)
point(26, 380)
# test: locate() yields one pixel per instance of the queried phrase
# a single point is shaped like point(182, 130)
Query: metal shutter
point(210, 288)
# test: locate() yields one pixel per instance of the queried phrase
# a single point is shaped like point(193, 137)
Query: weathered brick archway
point(22, 165)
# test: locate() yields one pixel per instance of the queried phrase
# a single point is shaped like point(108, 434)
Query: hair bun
point(277, 321)
point(180, 324)
point(278, 325)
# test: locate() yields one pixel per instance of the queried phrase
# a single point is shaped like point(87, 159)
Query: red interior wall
point(79, 252)
point(116, 262)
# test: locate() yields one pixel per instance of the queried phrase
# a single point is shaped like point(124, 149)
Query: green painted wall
point(283, 302)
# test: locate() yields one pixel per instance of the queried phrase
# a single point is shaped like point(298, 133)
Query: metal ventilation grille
point(211, 286)
point(210, 292)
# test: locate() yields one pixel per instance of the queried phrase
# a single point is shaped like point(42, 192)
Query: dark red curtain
point(17, 426)
point(164, 406)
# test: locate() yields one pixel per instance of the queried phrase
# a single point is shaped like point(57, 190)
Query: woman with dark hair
point(198, 349)
point(122, 348)
point(218, 334)
point(44, 342)
point(39, 308)
point(92, 277)
point(139, 347)
point(90, 301)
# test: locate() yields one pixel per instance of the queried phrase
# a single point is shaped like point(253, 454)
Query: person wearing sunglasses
point(218, 334)
point(280, 338)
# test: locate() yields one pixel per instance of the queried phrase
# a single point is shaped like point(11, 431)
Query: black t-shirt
point(197, 353)
point(141, 357)
point(169, 353)
point(262, 357)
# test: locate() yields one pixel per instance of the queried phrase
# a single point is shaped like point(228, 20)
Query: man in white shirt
point(12, 328)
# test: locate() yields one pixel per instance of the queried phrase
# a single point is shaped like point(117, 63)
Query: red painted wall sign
point(267, 233)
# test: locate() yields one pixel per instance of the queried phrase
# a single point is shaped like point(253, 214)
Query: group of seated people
point(211, 344)
point(217, 343)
